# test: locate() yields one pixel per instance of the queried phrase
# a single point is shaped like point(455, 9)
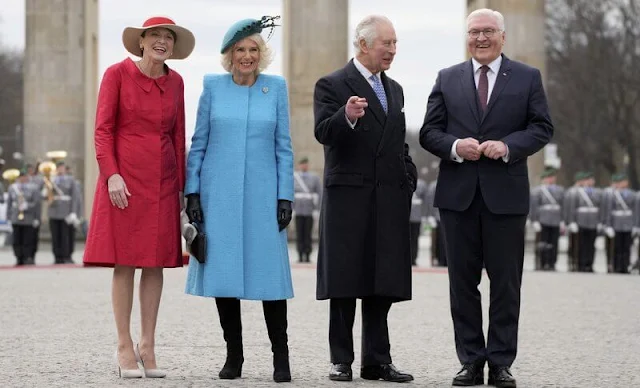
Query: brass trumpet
point(47, 169)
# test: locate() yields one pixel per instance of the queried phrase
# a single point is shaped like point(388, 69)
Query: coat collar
point(144, 82)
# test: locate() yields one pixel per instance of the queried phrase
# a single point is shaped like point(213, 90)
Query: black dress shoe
point(501, 377)
point(469, 375)
point(386, 372)
point(341, 372)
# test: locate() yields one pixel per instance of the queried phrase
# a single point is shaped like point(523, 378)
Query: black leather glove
point(194, 210)
point(284, 213)
point(412, 182)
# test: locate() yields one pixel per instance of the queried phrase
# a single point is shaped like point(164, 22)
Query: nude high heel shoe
point(126, 373)
point(149, 373)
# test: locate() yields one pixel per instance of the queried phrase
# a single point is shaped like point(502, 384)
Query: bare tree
point(593, 51)
point(11, 100)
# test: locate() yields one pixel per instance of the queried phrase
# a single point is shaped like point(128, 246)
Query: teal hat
point(619, 177)
point(548, 172)
point(303, 160)
point(247, 27)
point(581, 175)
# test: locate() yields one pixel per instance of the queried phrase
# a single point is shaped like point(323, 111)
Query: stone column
point(525, 42)
point(315, 44)
point(60, 75)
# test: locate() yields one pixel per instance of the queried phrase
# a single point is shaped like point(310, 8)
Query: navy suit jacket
point(516, 114)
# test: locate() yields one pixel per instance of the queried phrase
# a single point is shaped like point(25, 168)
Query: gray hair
point(367, 30)
point(266, 55)
point(487, 12)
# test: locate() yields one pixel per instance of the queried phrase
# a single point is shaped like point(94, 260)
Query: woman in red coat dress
point(140, 148)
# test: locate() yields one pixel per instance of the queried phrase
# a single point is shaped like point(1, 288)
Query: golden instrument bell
point(11, 174)
point(47, 168)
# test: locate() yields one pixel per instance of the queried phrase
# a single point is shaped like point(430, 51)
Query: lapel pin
point(265, 90)
point(505, 74)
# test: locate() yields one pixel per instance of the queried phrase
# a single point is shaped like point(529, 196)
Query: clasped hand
point(470, 149)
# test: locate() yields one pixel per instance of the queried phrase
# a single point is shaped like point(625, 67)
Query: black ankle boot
point(229, 312)
point(275, 315)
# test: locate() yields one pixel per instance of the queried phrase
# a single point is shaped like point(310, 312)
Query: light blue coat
point(241, 163)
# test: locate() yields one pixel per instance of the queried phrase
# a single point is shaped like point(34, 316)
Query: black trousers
point(440, 250)
point(622, 251)
point(475, 237)
point(24, 243)
point(586, 249)
point(414, 235)
point(60, 240)
point(376, 349)
point(304, 226)
point(549, 235)
point(72, 240)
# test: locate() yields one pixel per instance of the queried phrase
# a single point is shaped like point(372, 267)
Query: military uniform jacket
point(37, 181)
point(307, 192)
point(617, 209)
point(546, 205)
point(431, 210)
point(636, 211)
point(65, 197)
point(22, 193)
point(419, 202)
point(582, 206)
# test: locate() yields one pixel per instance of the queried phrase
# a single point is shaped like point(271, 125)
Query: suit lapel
point(502, 78)
point(362, 88)
point(469, 89)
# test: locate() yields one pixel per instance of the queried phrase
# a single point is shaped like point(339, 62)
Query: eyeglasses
point(488, 33)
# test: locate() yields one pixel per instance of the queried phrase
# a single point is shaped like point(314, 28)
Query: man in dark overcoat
point(369, 180)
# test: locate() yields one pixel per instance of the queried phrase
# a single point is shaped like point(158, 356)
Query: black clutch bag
point(198, 247)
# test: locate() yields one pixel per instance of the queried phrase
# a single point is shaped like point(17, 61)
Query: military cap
point(619, 177)
point(581, 175)
point(549, 171)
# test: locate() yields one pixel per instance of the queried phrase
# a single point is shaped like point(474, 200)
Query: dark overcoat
point(369, 179)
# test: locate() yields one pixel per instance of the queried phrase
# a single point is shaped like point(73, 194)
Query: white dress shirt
point(367, 75)
point(492, 75)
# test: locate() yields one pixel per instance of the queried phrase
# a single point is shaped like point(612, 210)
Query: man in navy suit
point(484, 118)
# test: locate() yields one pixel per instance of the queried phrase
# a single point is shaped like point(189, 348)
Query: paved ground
point(56, 330)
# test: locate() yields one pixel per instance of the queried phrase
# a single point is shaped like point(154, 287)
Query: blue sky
point(430, 34)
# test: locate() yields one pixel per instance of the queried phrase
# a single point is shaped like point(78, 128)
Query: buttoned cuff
point(454, 155)
point(353, 126)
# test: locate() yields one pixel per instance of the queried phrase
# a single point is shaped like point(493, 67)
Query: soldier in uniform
point(618, 221)
point(418, 211)
point(37, 181)
point(62, 213)
point(22, 213)
point(77, 210)
point(546, 218)
point(636, 230)
point(308, 189)
point(438, 254)
point(582, 215)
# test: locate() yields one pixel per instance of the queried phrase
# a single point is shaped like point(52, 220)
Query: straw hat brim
point(185, 41)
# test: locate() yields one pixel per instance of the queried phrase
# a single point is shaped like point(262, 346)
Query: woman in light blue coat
point(240, 187)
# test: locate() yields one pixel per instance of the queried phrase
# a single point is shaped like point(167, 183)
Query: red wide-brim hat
point(183, 46)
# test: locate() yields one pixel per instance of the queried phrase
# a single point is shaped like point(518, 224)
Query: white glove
point(72, 218)
point(573, 227)
point(599, 228)
point(635, 232)
point(431, 221)
point(609, 232)
point(536, 226)
point(36, 223)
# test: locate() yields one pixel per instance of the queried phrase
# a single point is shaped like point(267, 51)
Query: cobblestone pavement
point(56, 330)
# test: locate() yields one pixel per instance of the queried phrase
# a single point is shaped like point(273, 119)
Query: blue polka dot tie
point(379, 89)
